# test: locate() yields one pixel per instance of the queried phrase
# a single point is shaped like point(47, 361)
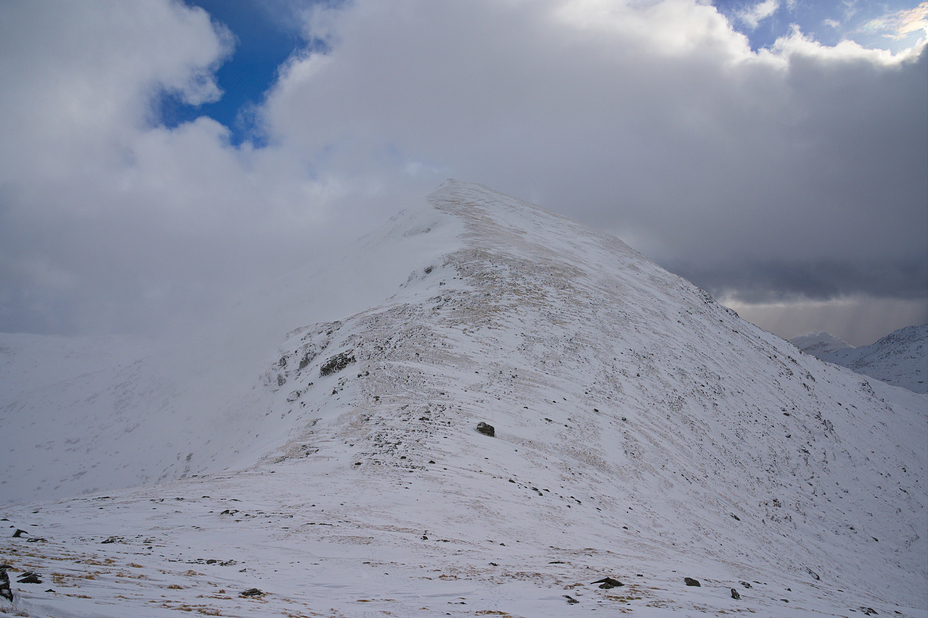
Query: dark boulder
point(607, 582)
point(29, 578)
point(485, 429)
point(691, 582)
point(252, 592)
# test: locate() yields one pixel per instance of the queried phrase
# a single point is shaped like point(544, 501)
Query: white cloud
point(107, 220)
point(900, 24)
point(83, 77)
point(754, 15)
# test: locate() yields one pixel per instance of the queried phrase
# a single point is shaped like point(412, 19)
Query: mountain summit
point(534, 410)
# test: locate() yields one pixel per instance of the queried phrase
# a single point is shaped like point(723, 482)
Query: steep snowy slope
point(900, 358)
point(642, 432)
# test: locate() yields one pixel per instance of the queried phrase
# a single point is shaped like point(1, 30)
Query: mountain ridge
point(637, 422)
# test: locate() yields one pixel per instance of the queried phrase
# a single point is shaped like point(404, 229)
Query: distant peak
point(819, 343)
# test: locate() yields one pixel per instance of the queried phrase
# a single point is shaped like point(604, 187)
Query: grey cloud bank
point(780, 178)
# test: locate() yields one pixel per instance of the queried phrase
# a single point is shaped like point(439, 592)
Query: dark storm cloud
point(755, 282)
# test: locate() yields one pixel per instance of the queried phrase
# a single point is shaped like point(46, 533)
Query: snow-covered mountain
point(900, 358)
point(641, 432)
point(819, 343)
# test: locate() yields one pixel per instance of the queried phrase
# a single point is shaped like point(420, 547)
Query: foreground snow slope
point(642, 432)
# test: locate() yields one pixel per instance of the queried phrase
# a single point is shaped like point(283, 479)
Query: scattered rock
point(19, 533)
point(868, 611)
point(691, 582)
point(745, 584)
point(112, 539)
point(485, 429)
point(607, 582)
point(29, 578)
point(252, 592)
point(813, 574)
point(735, 595)
point(571, 600)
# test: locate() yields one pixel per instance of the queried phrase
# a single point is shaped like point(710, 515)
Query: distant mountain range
point(900, 358)
point(524, 417)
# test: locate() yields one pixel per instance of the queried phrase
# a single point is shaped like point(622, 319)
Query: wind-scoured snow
point(900, 358)
point(643, 432)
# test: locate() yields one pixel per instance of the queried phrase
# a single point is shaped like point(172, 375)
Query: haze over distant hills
point(819, 343)
point(900, 358)
point(291, 464)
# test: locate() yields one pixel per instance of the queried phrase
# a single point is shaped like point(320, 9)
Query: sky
point(159, 160)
